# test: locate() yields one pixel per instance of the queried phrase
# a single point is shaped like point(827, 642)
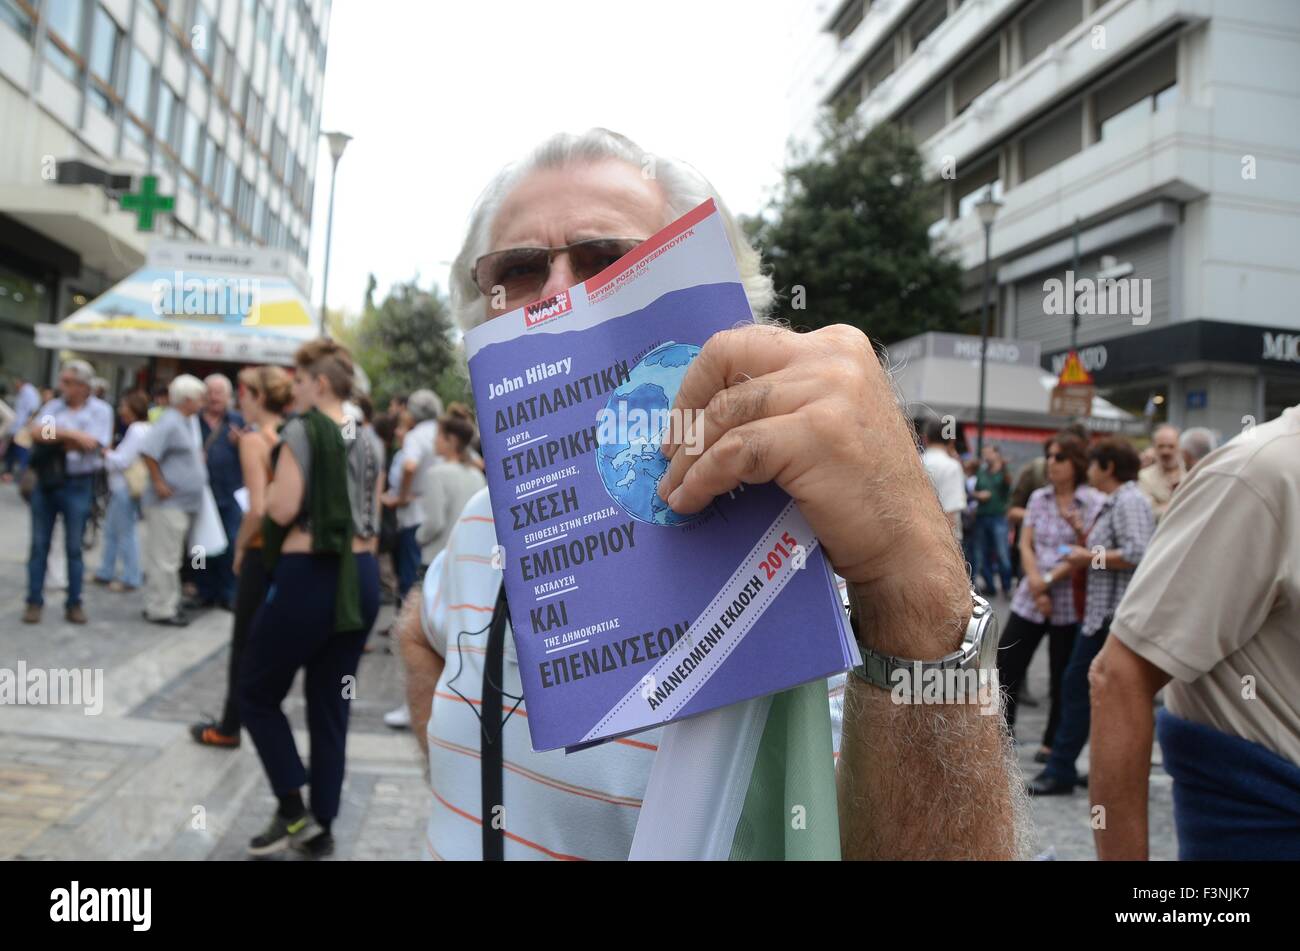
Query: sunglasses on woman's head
point(521, 273)
point(1058, 457)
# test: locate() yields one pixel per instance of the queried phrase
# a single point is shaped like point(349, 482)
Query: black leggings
point(249, 595)
point(1016, 650)
point(295, 629)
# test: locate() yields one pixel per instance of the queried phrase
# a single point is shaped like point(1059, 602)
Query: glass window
point(203, 38)
point(18, 18)
point(209, 161)
point(135, 132)
point(64, 21)
point(1125, 119)
point(139, 82)
point(104, 41)
point(64, 18)
point(190, 144)
point(229, 179)
point(169, 108)
point(974, 185)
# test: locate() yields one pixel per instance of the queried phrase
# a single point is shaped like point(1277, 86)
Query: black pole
point(1074, 315)
point(984, 343)
point(329, 234)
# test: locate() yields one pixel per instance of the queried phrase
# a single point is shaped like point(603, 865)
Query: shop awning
point(939, 373)
point(198, 302)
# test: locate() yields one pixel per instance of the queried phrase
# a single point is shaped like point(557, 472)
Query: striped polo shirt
point(556, 806)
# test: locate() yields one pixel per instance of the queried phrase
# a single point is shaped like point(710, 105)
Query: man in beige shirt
point(1159, 481)
point(1214, 612)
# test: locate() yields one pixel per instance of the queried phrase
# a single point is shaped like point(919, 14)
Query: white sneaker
point(399, 719)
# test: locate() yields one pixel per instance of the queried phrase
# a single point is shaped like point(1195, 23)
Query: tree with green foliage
point(407, 343)
point(846, 237)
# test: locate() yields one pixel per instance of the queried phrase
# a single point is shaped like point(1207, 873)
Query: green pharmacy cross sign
point(147, 202)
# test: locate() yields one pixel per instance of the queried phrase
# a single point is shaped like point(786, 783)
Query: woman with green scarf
point(321, 532)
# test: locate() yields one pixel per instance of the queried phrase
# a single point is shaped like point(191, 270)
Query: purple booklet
point(625, 614)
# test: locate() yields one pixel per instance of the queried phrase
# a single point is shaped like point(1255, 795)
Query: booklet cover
point(625, 614)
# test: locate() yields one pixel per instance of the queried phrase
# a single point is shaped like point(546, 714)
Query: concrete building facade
point(1147, 155)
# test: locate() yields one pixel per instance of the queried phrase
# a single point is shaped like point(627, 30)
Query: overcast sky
point(439, 95)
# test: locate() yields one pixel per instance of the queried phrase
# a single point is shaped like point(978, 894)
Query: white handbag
point(207, 532)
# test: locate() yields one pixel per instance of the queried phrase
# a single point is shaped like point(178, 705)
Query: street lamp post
point(338, 141)
point(987, 207)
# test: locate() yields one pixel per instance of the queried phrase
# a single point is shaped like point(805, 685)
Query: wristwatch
point(978, 650)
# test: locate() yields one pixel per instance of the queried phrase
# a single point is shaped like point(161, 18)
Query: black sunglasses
point(1058, 457)
point(521, 273)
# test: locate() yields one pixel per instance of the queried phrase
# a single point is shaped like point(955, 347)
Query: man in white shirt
point(557, 806)
point(418, 456)
point(72, 432)
point(1159, 481)
point(945, 472)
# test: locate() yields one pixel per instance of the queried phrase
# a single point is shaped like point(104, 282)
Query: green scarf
point(330, 513)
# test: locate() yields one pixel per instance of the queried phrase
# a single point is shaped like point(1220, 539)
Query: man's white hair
point(683, 187)
point(185, 387)
point(220, 381)
point(1198, 442)
point(424, 404)
point(81, 371)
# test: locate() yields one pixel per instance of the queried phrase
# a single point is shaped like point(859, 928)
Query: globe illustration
point(636, 417)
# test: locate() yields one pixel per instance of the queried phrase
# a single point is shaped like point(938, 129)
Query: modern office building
point(220, 99)
point(1163, 134)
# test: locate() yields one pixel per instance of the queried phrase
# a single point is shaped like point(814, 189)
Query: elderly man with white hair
point(177, 477)
point(69, 434)
point(418, 456)
point(1197, 443)
point(814, 413)
point(220, 428)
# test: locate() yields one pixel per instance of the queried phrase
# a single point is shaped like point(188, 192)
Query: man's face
point(73, 390)
point(557, 207)
point(218, 398)
point(1166, 442)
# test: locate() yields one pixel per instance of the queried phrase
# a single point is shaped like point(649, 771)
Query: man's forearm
point(920, 780)
point(1120, 766)
point(423, 668)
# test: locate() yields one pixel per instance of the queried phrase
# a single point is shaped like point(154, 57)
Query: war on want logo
point(547, 308)
point(77, 904)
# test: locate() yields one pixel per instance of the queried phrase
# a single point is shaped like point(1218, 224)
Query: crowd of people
point(299, 481)
point(1180, 575)
point(1083, 522)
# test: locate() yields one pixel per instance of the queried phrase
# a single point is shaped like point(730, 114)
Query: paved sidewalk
point(129, 782)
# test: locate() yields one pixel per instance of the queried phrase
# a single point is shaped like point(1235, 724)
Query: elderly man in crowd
point(816, 414)
point(418, 456)
point(220, 428)
point(1230, 655)
point(1197, 443)
point(177, 477)
point(1158, 482)
point(68, 435)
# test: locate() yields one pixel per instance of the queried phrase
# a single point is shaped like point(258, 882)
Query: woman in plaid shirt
point(1116, 543)
point(1056, 520)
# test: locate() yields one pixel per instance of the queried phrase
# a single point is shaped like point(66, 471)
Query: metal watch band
point(878, 669)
